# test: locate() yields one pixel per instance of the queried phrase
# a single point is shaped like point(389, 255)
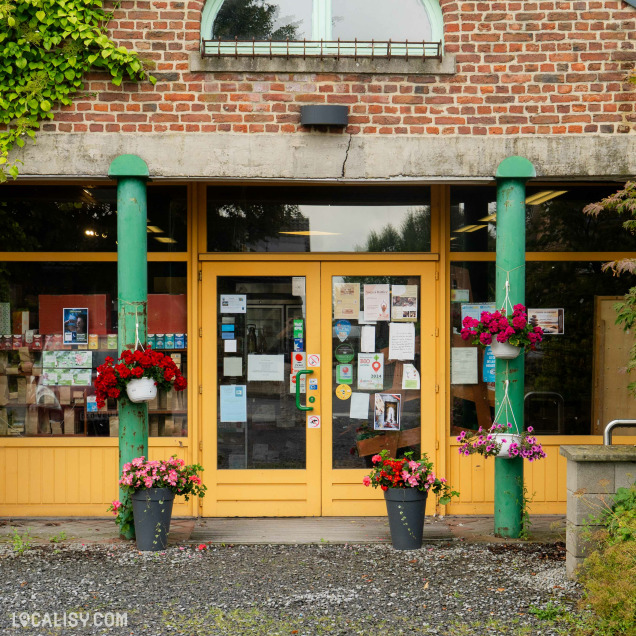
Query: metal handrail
point(607, 433)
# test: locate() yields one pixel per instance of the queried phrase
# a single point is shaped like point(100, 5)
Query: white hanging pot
point(504, 350)
point(505, 446)
point(141, 389)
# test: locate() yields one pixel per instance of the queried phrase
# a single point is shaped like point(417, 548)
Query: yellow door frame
point(258, 492)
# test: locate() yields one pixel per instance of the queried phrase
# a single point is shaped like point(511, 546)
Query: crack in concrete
point(344, 163)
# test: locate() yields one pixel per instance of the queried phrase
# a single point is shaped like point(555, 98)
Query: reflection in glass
point(259, 425)
point(317, 220)
point(396, 20)
point(554, 220)
point(353, 444)
point(262, 20)
point(36, 402)
point(83, 219)
point(561, 375)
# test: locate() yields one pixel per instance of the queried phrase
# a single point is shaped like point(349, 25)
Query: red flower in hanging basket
point(515, 329)
point(113, 377)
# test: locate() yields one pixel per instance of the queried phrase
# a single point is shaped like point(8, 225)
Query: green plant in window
point(46, 48)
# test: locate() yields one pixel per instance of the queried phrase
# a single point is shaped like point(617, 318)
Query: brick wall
point(523, 68)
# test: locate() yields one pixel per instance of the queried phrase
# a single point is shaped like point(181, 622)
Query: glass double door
point(308, 369)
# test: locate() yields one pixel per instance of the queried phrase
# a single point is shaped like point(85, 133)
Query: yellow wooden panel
point(267, 508)
point(12, 476)
point(48, 484)
point(3, 474)
point(261, 492)
point(34, 482)
point(356, 492)
point(364, 508)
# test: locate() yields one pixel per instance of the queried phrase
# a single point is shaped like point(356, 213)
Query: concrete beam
point(317, 156)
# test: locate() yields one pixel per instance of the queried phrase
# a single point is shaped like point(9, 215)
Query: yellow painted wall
point(42, 477)
point(545, 480)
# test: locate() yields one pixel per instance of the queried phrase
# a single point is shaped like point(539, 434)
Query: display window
point(58, 322)
point(575, 380)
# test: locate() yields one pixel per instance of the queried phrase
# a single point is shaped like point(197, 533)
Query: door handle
point(299, 406)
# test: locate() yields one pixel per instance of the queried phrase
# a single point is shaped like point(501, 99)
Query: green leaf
point(69, 74)
point(40, 15)
point(45, 105)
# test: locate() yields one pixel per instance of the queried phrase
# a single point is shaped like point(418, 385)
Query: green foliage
point(609, 574)
point(58, 538)
point(46, 48)
point(21, 543)
point(247, 19)
point(621, 521)
point(622, 203)
point(414, 235)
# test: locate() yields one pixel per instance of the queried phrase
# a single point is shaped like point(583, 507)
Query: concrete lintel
point(320, 156)
point(309, 65)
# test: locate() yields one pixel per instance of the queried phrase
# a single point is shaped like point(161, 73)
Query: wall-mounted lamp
point(324, 115)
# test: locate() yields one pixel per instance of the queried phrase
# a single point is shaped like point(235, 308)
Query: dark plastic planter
point(152, 511)
point(405, 508)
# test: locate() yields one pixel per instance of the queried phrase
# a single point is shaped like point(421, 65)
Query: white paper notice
point(233, 366)
point(401, 341)
point(410, 377)
point(359, 406)
point(229, 346)
point(233, 304)
point(464, 365)
point(265, 368)
point(367, 339)
point(376, 302)
point(298, 285)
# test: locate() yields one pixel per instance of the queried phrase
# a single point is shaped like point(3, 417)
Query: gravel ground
point(445, 588)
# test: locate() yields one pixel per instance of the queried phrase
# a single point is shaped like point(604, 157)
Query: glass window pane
point(370, 403)
point(396, 20)
point(262, 20)
point(84, 219)
point(554, 220)
point(260, 324)
point(39, 398)
point(575, 381)
point(300, 220)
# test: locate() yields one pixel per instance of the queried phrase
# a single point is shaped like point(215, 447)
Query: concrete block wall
point(594, 474)
point(521, 68)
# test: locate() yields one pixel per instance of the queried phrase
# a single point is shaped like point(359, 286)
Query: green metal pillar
point(512, 175)
point(131, 173)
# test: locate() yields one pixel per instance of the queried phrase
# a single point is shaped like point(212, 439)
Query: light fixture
point(468, 228)
point(89, 232)
point(312, 233)
point(543, 196)
point(153, 229)
point(164, 239)
point(488, 219)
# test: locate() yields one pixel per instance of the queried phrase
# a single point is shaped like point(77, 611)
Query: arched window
point(393, 28)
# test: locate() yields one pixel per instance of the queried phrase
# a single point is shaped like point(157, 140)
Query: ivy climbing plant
point(46, 48)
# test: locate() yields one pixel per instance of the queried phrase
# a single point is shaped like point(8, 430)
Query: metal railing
point(607, 433)
point(334, 49)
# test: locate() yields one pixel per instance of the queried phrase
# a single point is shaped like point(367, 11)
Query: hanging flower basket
point(114, 378)
point(504, 441)
point(504, 350)
point(498, 328)
point(141, 390)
